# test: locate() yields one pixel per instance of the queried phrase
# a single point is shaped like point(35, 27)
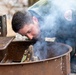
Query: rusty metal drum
point(56, 65)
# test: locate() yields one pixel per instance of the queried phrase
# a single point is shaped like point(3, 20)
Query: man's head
point(25, 24)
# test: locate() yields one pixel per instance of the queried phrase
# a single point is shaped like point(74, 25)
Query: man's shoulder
point(34, 9)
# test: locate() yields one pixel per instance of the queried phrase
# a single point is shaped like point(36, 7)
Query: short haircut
point(20, 18)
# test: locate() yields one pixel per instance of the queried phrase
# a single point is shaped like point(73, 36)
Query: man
point(31, 19)
point(48, 19)
point(25, 24)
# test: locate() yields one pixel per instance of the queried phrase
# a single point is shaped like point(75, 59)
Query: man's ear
point(35, 20)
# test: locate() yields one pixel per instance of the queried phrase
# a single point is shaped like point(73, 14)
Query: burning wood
point(29, 55)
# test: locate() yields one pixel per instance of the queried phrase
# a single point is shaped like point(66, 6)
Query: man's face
point(31, 31)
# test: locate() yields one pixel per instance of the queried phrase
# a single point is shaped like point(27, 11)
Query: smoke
point(59, 20)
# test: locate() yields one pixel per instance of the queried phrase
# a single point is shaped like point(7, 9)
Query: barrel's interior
point(14, 52)
point(56, 49)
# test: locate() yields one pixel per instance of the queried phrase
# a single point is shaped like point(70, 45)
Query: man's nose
point(30, 36)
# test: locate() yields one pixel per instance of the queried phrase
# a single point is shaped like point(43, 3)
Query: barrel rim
point(39, 61)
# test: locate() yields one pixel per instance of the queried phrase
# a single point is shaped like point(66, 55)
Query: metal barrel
point(56, 65)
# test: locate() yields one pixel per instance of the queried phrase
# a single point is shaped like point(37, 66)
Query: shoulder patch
point(68, 15)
